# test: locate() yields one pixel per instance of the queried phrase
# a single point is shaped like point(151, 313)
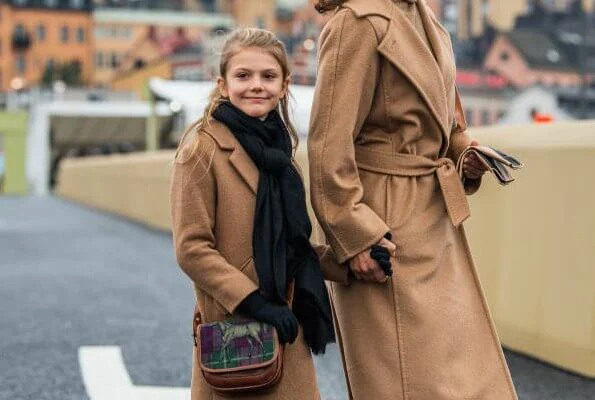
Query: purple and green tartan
point(235, 343)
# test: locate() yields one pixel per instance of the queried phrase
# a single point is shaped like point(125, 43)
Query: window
point(126, 33)
point(485, 117)
point(469, 117)
point(21, 64)
point(51, 3)
point(115, 61)
point(64, 33)
point(40, 32)
point(20, 30)
point(80, 34)
point(77, 3)
point(260, 22)
point(99, 59)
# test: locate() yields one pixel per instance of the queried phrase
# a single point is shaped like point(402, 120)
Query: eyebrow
point(250, 70)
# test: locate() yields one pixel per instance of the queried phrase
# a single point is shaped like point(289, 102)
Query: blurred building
point(474, 15)
point(42, 36)
point(137, 37)
point(529, 57)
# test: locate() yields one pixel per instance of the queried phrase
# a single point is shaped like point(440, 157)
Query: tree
point(50, 74)
point(69, 73)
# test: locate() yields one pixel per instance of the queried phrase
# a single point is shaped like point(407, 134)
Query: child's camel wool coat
point(212, 199)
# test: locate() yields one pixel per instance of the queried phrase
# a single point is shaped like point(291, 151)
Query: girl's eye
point(242, 75)
point(270, 76)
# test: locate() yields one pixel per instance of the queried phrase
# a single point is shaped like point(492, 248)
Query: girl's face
point(254, 82)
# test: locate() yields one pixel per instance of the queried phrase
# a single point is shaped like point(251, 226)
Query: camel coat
point(386, 127)
point(212, 196)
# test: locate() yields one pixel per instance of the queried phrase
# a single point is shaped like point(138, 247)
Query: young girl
point(241, 230)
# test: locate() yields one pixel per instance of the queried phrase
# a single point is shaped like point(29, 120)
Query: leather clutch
point(497, 162)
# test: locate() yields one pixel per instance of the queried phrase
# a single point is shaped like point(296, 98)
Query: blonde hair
point(237, 41)
point(327, 5)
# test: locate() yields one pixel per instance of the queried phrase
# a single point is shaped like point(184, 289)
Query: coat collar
point(430, 70)
point(364, 8)
point(238, 158)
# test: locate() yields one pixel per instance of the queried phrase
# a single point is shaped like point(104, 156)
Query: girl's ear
point(285, 88)
point(222, 87)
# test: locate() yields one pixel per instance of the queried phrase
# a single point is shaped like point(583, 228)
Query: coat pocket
point(249, 269)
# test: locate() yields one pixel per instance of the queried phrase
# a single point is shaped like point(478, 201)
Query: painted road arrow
point(106, 378)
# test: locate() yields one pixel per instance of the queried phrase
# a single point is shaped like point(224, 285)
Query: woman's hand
point(472, 167)
point(365, 268)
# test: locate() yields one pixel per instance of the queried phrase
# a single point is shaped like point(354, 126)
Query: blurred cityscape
point(518, 61)
point(504, 49)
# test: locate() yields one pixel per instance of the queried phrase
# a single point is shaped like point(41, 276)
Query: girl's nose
point(256, 85)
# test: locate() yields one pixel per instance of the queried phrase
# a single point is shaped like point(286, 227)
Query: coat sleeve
point(460, 140)
point(348, 73)
point(192, 202)
point(331, 269)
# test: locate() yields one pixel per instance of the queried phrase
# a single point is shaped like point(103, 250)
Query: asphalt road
point(72, 277)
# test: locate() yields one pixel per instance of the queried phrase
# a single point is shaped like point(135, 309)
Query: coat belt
point(412, 165)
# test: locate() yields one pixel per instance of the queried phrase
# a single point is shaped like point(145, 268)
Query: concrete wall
point(533, 241)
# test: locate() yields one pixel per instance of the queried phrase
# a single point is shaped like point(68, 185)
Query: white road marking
point(106, 378)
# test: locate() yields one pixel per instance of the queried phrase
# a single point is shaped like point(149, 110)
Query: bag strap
point(196, 321)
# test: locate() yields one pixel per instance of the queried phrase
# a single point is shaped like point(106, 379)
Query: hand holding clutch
point(495, 161)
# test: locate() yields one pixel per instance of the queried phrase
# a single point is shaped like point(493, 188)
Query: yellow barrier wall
point(533, 241)
point(134, 186)
point(13, 129)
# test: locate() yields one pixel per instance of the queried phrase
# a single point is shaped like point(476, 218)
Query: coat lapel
point(403, 47)
point(238, 157)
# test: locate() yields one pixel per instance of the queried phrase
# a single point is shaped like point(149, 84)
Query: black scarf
point(281, 236)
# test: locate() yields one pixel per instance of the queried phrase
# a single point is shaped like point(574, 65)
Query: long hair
point(238, 40)
point(327, 5)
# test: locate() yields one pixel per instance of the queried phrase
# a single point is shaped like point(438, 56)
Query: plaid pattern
point(235, 343)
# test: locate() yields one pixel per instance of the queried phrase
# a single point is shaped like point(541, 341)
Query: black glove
point(382, 256)
point(280, 316)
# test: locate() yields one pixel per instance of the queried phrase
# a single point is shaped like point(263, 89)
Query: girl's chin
point(259, 112)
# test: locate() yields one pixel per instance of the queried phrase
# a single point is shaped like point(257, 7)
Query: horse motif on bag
point(232, 332)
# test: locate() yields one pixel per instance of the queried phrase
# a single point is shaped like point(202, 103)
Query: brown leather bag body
point(238, 355)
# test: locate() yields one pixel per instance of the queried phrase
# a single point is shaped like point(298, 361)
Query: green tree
point(70, 73)
point(49, 74)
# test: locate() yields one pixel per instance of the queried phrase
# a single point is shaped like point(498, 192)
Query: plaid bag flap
point(236, 344)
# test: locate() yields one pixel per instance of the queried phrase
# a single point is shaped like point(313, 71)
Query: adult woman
point(386, 129)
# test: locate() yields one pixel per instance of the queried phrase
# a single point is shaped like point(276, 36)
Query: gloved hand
point(382, 256)
point(280, 316)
